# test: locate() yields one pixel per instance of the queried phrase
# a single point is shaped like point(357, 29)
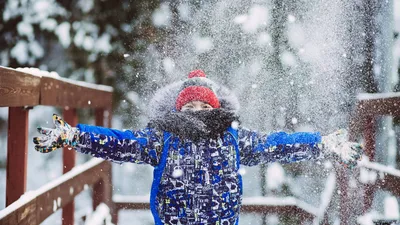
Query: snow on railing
point(371, 175)
point(20, 90)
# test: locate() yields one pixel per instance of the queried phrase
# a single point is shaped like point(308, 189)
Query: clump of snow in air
point(162, 16)
point(242, 171)
point(235, 125)
point(257, 18)
point(184, 11)
point(168, 65)
point(202, 44)
point(275, 176)
point(263, 39)
point(288, 59)
point(391, 208)
point(126, 55)
point(177, 172)
point(291, 18)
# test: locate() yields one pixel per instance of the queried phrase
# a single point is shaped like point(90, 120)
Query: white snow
point(256, 19)
point(367, 96)
point(288, 59)
point(85, 5)
point(326, 196)
point(88, 43)
point(177, 173)
point(396, 9)
point(391, 208)
point(29, 196)
point(38, 72)
point(263, 39)
point(131, 198)
point(63, 33)
point(242, 171)
point(168, 65)
point(36, 49)
point(184, 11)
point(235, 125)
point(103, 43)
point(275, 176)
point(161, 17)
point(48, 24)
point(280, 201)
point(101, 216)
point(291, 18)
point(25, 29)
point(202, 44)
point(20, 52)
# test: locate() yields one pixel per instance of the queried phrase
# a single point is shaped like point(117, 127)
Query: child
point(196, 147)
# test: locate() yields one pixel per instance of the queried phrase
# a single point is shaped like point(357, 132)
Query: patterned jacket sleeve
point(279, 147)
point(142, 146)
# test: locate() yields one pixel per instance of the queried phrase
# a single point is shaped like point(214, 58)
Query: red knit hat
point(196, 92)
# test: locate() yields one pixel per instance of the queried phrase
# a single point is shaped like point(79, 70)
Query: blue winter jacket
point(197, 183)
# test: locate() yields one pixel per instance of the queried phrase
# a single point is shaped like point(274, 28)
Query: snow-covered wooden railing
point(280, 205)
point(23, 89)
point(368, 108)
point(34, 207)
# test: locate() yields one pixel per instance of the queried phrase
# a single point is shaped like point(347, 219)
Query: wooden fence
point(20, 91)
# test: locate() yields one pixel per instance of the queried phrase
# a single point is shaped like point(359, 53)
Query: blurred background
point(295, 65)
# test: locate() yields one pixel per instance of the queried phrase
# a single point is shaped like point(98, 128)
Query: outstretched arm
point(280, 147)
point(286, 148)
point(142, 146)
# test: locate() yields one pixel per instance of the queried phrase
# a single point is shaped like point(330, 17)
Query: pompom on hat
point(196, 89)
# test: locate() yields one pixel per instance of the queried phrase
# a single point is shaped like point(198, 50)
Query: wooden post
point(369, 134)
point(17, 153)
point(70, 116)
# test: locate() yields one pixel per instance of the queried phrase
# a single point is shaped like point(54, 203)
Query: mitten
point(63, 135)
point(337, 147)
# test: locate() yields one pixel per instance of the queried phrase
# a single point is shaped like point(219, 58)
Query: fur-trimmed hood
point(164, 99)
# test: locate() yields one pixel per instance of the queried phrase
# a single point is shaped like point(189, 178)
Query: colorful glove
point(337, 146)
point(62, 136)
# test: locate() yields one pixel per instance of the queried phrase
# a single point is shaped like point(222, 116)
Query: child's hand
point(62, 136)
point(337, 146)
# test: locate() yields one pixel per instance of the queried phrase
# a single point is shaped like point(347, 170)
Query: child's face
point(195, 106)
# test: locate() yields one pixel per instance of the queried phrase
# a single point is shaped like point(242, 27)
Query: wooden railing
point(363, 123)
point(21, 91)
